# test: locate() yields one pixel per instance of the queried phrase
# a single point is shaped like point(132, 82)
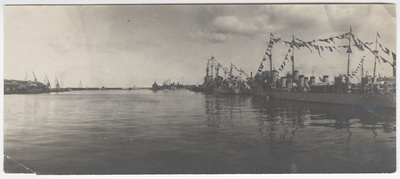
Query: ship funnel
point(325, 79)
point(312, 80)
point(289, 83)
point(283, 82)
point(306, 82)
point(301, 81)
point(274, 76)
point(295, 75)
point(340, 83)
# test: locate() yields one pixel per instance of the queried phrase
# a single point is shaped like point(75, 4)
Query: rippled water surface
point(135, 132)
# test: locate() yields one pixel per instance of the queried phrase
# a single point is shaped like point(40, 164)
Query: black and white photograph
point(199, 88)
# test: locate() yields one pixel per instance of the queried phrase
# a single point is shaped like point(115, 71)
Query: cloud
point(232, 24)
point(141, 43)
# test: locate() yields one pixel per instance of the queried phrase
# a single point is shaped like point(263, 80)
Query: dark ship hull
point(369, 100)
point(232, 91)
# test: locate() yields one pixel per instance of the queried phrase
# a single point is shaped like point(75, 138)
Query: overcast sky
point(126, 45)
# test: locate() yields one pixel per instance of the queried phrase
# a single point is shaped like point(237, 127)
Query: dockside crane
point(48, 82)
point(57, 84)
point(34, 76)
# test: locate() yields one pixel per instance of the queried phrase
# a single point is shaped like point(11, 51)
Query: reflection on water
point(326, 133)
point(125, 132)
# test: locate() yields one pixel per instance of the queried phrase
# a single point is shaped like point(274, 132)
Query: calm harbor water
point(179, 132)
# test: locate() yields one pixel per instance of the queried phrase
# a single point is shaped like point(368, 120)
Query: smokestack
point(274, 76)
point(295, 75)
point(312, 80)
point(283, 82)
point(306, 82)
point(325, 79)
point(301, 80)
point(289, 83)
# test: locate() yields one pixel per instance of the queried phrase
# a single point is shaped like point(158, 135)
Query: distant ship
point(168, 85)
point(230, 84)
point(371, 92)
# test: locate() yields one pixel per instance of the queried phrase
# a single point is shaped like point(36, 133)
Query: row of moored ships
point(370, 91)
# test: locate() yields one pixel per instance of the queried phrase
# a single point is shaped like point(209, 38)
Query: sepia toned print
point(200, 89)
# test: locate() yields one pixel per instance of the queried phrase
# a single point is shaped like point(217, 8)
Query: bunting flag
point(394, 57)
point(384, 49)
point(367, 43)
point(300, 43)
point(331, 39)
point(268, 52)
point(349, 35)
point(311, 45)
point(357, 44)
point(234, 67)
point(277, 40)
point(316, 47)
point(335, 48)
point(285, 59)
point(375, 52)
point(357, 68)
point(341, 36)
point(369, 48)
point(261, 67)
point(377, 34)
point(385, 61)
point(270, 44)
point(349, 50)
point(305, 44)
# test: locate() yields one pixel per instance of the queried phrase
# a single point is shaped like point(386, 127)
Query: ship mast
point(230, 72)
point(225, 71)
point(270, 56)
point(292, 57)
point(217, 70)
point(376, 56)
point(208, 68)
point(212, 66)
point(362, 68)
point(348, 55)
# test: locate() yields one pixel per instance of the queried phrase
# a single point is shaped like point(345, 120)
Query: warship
point(229, 84)
point(372, 91)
